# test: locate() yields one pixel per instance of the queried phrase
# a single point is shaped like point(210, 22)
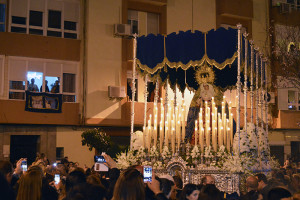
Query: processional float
point(207, 64)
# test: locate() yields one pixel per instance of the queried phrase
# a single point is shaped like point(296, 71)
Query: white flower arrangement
point(146, 163)
point(221, 151)
point(263, 141)
point(158, 165)
point(141, 154)
point(165, 154)
point(126, 159)
point(122, 162)
point(238, 164)
point(137, 140)
point(208, 152)
point(242, 141)
point(153, 153)
point(253, 144)
point(195, 153)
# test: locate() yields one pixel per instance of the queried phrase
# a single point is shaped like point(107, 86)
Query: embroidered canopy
point(178, 56)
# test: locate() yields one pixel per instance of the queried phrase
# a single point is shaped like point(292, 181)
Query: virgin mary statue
point(205, 92)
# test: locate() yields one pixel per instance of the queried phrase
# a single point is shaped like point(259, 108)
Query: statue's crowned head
point(205, 74)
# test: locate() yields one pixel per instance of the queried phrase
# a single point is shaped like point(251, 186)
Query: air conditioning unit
point(122, 30)
point(116, 91)
point(270, 97)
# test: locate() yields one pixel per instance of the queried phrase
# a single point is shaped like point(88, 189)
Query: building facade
point(74, 42)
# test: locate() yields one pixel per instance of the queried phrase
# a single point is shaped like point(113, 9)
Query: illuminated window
point(41, 75)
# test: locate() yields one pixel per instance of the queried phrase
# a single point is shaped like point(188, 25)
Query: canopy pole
point(238, 85)
point(166, 98)
point(262, 91)
point(156, 91)
point(251, 79)
point(145, 100)
point(266, 103)
point(257, 99)
point(133, 90)
point(245, 82)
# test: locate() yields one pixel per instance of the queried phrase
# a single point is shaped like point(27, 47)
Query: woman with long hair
point(30, 185)
point(129, 186)
point(190, 192)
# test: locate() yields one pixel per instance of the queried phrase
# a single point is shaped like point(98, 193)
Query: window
point(293, 100)
point(54, 19)
point(133, 21)
point(152, 23)
point(41, 75)
point(2, 17)
point(34, 81)
point(45, 17)
point(36, 22)
point(69, 87)
point(150, 20)
point(1, 74)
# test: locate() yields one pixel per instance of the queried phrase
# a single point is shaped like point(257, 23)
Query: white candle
point(225, 130)
point(222, 136)
point(173, 141)
point(200, 129)
point(161, 136)
point(149, 138)
point(231, 128)
point(155, 132)
point(208, 137)
point(215, 140)
point(178, 130)
point(166, 135)
point(228, 139)
point(196, 132)
point(144, 137)
point(202, 140)
point(183, 122)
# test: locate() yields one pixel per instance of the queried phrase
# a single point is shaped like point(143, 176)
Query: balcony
point(235, 8)
point(35, 46)
point(287, 120)
point(285, 14)
point(13, 112)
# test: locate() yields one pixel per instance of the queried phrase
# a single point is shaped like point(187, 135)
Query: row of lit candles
point(172, 127)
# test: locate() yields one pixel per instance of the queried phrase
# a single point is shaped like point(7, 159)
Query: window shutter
point(37, 5)
point(71, 12)
point(17, 70)
point(19, 8)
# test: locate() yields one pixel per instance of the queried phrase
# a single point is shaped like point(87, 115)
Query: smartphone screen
point(147, 171)
point(56, 178)
point(99, 159)
point(24, 165)
point(100, 167)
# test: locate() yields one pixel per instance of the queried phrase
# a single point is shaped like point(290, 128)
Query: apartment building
point(75, 43)
point(285, 136)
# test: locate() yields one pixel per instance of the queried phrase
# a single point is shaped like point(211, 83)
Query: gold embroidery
point(205, 74)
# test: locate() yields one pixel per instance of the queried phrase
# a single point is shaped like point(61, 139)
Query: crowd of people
point(75, 183)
